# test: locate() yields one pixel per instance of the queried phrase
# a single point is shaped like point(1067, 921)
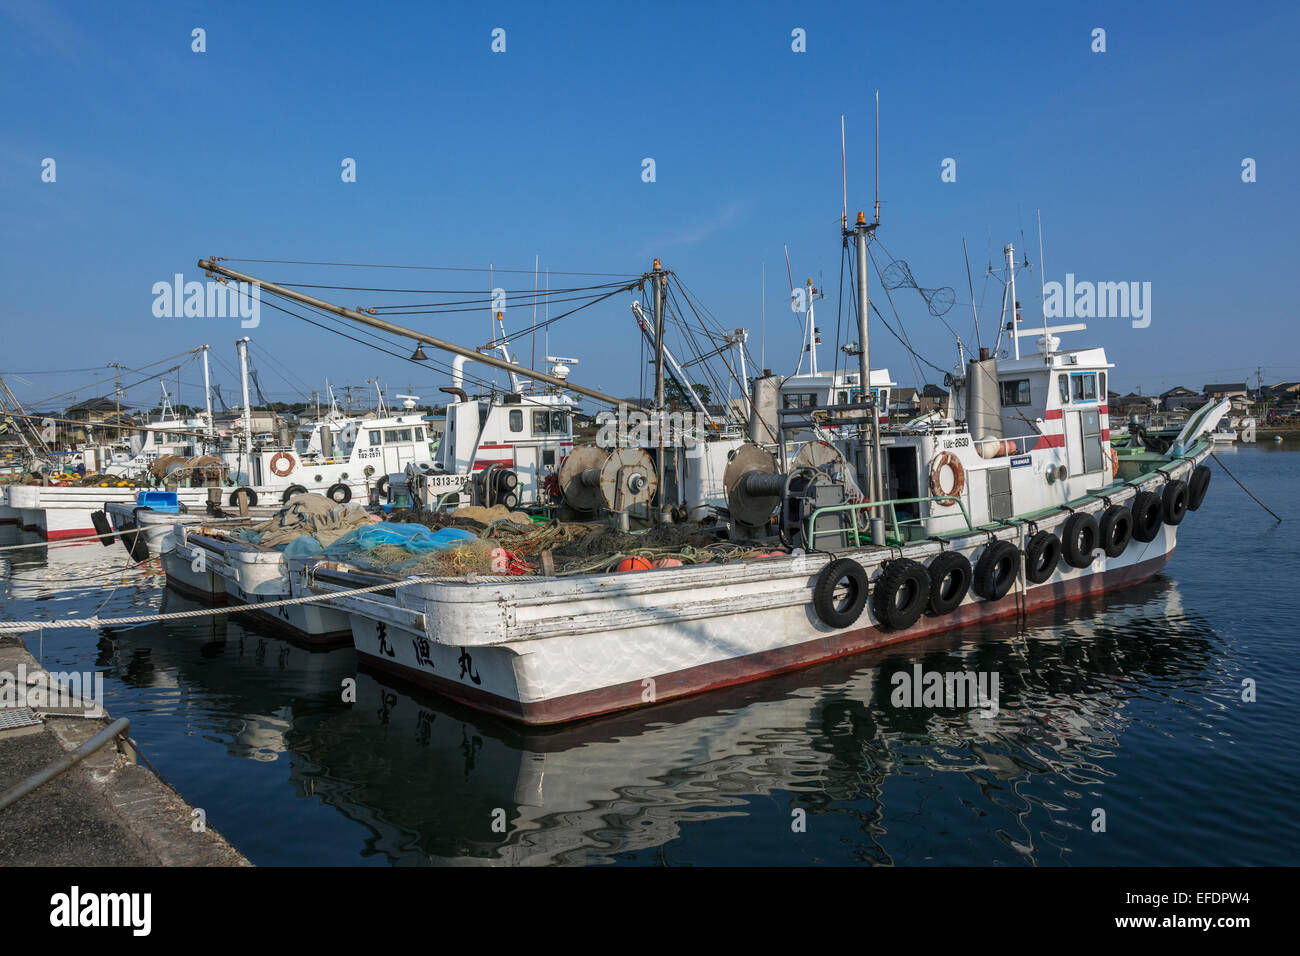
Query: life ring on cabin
point(1114, 461)
point(941, 461)
point(278, 459)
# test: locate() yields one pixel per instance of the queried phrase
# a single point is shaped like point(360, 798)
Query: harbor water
point(1154, 726)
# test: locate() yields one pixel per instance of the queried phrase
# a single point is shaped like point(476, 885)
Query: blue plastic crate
point(165, 502)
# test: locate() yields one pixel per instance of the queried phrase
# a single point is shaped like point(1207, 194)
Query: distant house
point(1229, 391)
point(1179, 399)
point(904, 402)
point(931, 397)
point(100, 417)
point(1131, 404)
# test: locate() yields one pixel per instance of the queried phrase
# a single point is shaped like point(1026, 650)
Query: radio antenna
point(844, 178)
point(877, 158)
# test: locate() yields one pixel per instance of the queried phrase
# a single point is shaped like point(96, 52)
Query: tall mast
point(242, 345)
point(207, 395)
point(657, 277)
point(866, 474)
point(1015, 306)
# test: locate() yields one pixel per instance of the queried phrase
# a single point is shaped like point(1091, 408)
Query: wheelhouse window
point(375, 438)
point(1093, 459)
point(799, 400)
point(419, 433)
point(516, 420)
point(396, 435)
point(1016, 392)
point(1063, 381)
point(550, 423)
point(1083, 386)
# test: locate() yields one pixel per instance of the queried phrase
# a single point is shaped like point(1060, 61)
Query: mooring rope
point(98, 622)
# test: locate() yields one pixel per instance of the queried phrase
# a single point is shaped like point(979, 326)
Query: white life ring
point(280, 458)
point(949, 495)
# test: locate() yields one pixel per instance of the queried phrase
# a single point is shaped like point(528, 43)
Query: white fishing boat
point(1010, 497)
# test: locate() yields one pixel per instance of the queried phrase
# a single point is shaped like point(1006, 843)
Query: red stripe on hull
point(66, 533)
point(1050, 441)
point(706, 677)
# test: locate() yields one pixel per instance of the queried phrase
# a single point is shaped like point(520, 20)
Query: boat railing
point(856, 509)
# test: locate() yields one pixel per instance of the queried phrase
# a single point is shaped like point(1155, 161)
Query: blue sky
point(466, 157)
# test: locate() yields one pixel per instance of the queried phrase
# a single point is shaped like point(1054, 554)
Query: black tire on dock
point(291, 491)
point(1147, 515)
point(900, 594)
point(1115, 529)
point(843, 575)
point(1197, 487)
point(339, 493)
point(103, 527)
point(996, 570)
point(1174, 502)
point(234, 496)
point(1079, 539)
point(1042, 554)
point(950, 578)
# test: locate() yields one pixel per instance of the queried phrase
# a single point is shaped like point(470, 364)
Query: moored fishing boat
point(1010, 497)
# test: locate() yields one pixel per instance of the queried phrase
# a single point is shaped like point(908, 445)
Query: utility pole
point(117, 397)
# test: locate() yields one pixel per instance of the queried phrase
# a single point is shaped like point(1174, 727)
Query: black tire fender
point(1115, 530)
point(846, 573)
point(252, 496)
point(901, 594)
point(339, 493)
point(1174, 502)
point(381, 486)
point(291, 491)
point(1079, 537)
point(996, 570)
point(950, 579)
point(1198, 486)
point(1042, 554)
point(1147, 515)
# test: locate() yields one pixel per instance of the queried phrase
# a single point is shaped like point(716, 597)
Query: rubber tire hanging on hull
point(1174, 502)
point(1115, 530)
point(1147, 514)
point(1079, 539)
point(1198, 486)
point(901, 594)
point(339, 493)
point(996, 570)
point(290, 492)
point(103, 527)
point(381, 487)
point(944, 597)
point(840, 613)
point(252, 496)
point(1042, 554)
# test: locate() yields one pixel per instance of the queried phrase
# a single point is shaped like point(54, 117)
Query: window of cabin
point(419, 433)
point(376, 439)
point(516, 420)
point(559, 423)
point(1016, 392)
point(541, 423)
point(396, 435)
point(1101, 387)
point(841, 398)
point(1093, 459)
point(799, 400)
point(1083, 386)
point(1063, 381)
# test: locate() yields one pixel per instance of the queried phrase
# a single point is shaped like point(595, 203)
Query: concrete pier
point(108, 810)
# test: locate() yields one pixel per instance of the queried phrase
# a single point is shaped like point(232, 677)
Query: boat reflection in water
point(825, 748)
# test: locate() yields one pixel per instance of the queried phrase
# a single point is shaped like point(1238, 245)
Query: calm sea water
point(1130, 705)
